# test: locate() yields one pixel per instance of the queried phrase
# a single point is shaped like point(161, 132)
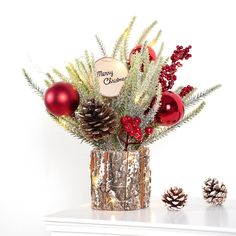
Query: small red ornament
point(171, 110)
point(152, 54)
point(61, 99)
point(149, 130)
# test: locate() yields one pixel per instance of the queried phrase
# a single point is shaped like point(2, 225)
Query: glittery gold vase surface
point(120, 180)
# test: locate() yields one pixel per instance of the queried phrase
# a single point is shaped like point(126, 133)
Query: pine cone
point(174, 198)
point(213, 192)
point(97, 119)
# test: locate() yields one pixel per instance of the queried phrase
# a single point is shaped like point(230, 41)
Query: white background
point(42, 168)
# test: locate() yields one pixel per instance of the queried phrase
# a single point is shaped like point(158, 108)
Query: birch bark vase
point(120, 180)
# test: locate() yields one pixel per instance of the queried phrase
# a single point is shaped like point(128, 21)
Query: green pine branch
point(33, 85)
point(196, 98)
point(124, 35)
point(154, 41)
point(126, 38)
point(145, 33)
point(101, 46)
point(162, 132)
point(60, 75)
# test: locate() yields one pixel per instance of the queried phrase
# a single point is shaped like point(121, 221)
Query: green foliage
point(33, 85)
point(101, 46)
point(192, 100)
point(140, 87)
point(145, 33)
point(161, 132)
point(123, 38)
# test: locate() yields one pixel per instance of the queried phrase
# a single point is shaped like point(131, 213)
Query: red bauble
point(171, 110)
point(61, 99)
point(152, 54)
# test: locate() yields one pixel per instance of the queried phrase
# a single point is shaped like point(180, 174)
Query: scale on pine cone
point(174, 198)
point(97, 119)
point(213, 192)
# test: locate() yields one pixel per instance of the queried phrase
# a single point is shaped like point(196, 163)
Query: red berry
point(123, 120)
point(137, 129)
point(129, 119)
point(128, 127)
point(131, 133)
point(149, 130)
point(138, 136)
point(136, 121)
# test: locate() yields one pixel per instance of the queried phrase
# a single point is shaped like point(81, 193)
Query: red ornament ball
point(152, 54)
point(171, 110)
point(61, 99)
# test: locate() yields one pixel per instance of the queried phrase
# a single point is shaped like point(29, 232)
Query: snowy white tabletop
point(197, 217)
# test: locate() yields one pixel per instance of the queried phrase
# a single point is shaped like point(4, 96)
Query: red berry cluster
point(132, 127)
point(167, 76)
point(185, 90)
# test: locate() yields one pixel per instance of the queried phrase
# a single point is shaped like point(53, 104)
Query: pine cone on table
point(174, 198)
point(213, 192)
point(97, 119)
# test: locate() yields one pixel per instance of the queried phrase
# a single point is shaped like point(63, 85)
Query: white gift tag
point(111, 74)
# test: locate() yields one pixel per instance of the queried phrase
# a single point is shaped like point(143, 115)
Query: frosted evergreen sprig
point(125, 34)
point(33, 85)
point(145, 33)
point(192, 100)
point(101, 46)
point(60, 75)
point(161, 132)
point(154, 41)
point(126, 38)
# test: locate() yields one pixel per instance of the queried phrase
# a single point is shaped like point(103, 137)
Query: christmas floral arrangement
point(121, 103)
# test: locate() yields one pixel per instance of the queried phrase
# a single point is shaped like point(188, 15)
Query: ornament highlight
point(61, 99)
point(171, 110)
point(111, 74)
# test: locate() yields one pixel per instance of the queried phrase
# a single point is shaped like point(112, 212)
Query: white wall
point(42, 168)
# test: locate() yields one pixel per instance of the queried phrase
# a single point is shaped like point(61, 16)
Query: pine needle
point(60, 75)
point(48, 83)
point(33, 85)
point(186, 119)
point(126, 38)
point(101, 46)
point(196, 98)
point(163, 132)
point(51, 79)
point(145, 33)
point(178, 90)
point(160, 52)
point(154, 41)
point(124, 35)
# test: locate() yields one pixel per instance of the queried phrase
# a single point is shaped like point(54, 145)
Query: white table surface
point(197, 217)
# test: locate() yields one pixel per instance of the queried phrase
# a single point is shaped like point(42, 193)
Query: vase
point(120, 180)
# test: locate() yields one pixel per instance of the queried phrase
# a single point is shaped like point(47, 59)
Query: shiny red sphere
point(171, 110)
point(61, 99)
point(152, 54)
